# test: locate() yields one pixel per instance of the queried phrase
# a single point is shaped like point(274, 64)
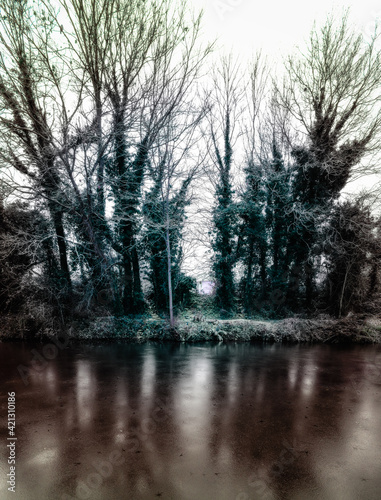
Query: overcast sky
point(276, 26)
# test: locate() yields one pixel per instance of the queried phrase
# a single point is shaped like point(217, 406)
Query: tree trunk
point(62, 248)
point(308, 269)
point(127, 285)
point(343, 290)
point(138, 293)
point(100, 169)
point(169, 264)
point(248, 285)
point(262, 259)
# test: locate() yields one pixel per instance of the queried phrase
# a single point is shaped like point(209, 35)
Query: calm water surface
point(198, 422)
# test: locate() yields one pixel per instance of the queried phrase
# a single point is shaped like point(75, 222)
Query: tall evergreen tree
point(224, 220)
point(252, 242)
point(225, 110)
point(278, 218)
point(351, 251)
point(155, 242)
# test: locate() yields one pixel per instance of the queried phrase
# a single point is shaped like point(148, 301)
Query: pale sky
point(276, 26)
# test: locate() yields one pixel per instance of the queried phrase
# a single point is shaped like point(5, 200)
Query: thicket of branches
point(107, 126)
point(293, 239)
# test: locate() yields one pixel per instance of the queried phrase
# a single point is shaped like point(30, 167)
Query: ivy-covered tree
point(252, 243)
point(28, 130)
point(224, 221)
point(351, 250)
point(225, 110)
point(156, 245)
point(278, 224)
point(332, 91)
point(175, 161)
point(29, 268)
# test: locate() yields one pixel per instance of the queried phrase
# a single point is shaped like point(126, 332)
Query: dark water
point(191, 422)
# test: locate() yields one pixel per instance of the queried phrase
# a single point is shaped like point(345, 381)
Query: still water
point(237, 422)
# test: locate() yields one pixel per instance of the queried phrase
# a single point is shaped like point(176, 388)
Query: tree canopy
point(109, 120)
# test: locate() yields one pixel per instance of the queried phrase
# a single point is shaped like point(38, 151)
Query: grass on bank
point(196, 324)
point(109, 328)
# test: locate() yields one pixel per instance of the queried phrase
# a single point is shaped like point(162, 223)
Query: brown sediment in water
point(180, 421)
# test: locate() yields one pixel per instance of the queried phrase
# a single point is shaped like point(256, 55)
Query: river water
point(177, 421)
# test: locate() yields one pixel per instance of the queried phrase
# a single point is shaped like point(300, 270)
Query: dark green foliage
point(160, 213)
point(279, 227)
point(15, 229)
point(352, 254)
point(26, 250)
point(265, 236)
point(185, 290)
point(224, 218)
point(224, 226)
point(319, 173)
point(125, 174)
point(252, 242)
point(312, 197)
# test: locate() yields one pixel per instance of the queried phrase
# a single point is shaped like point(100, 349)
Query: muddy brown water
point(169, 421)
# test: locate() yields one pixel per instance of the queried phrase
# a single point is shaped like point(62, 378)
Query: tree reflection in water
point(222, 421)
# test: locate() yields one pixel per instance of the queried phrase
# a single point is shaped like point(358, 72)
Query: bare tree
point(166, 64)
point(29, 94)
point(175, 162)
point(225, 111)
point(98, 82)
point(332, 90)
point(352, 250)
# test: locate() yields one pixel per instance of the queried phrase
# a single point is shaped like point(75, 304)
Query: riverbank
point(292, 330)
point(243, 330)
